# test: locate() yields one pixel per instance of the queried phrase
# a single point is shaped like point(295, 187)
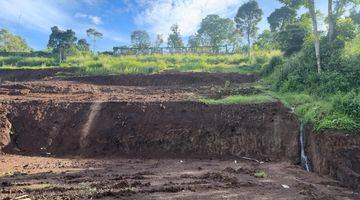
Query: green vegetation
point(146, 64)
point(12, 43)
point(17, 61)
point(260, 174)
point(330, 99)
point(240, 99)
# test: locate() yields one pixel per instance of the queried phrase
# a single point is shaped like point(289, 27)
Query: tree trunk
point(249, 44)
point(331, 21)
point(316, 34)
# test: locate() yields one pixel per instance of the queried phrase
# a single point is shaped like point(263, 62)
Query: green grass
point(89, 64)
point(239, 99)
point(147, 64)
point(322, 113)
point(36, 62)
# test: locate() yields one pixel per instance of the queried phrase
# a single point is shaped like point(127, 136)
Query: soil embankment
point(167, 129)
point(336, 154)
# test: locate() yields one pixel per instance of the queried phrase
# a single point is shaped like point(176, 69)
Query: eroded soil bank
point(336, 154)
point(167, 129)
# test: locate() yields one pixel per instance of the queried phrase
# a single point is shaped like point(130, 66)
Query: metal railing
point(118, 51)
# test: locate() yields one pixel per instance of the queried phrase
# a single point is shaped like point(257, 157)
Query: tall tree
point(61, 42)
point(94, 35)
point(174, 39)
point(217, 30)
point(159, 40)
point(83, 45)
point(280, 18)
point(247, 18)
point(140, 39)
point(12, 43)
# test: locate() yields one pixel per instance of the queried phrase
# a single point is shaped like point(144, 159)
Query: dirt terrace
point(125, 88)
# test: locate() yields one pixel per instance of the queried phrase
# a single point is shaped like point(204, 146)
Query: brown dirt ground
point(75, 178)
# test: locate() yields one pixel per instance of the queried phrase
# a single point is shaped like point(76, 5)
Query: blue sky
point(116, 19)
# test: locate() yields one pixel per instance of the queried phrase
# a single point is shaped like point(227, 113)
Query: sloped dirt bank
point(167, 79)
point(5, 129)
point(336, 154)
point(31, 74)
point(168, 129)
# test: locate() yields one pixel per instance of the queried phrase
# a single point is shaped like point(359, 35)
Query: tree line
point(288, 31)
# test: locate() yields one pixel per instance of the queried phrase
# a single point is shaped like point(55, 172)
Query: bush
point(270, 67)
point(348, 104)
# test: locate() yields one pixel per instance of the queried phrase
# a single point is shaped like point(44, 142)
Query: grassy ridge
point(104, 64)
point(239, 99)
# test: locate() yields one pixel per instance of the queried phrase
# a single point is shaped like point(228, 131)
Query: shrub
point(270, 67)
point(348, 104)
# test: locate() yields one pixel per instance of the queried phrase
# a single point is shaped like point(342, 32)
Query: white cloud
point(93, 19)
point(41, 15)
point(158, 16)
point(36, 14)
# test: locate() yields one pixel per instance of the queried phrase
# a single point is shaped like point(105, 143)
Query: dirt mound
point(166, 79)
point(263, 131)
point(31, 74)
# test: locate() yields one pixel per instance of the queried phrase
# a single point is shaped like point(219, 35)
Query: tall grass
point(17, 61)
point(105, 64)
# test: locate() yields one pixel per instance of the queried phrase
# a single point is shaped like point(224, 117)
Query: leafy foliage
point(83, 45)
point(216, 30)
point(174, 39)
point(62, 42)
point(280, 18)
point(12, 43)
point(140, 39)
point(247, 18)
point(291, 39)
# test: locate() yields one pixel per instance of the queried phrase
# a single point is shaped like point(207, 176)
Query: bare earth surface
point(33, 177)
point(74, 178)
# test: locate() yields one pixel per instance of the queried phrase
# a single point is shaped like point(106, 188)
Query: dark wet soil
point(74, 178)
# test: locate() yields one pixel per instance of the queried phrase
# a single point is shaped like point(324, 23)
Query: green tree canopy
point(346, 29)
point(194, 41)
point(280, 18)
point(247, 18)
point(62, 42)
point(140, 39)
point(355, 16)
point(216, 30)
point(12, 43)
point(83, 45)
point(266, 40)
point(174, 39)
point(292, 38)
